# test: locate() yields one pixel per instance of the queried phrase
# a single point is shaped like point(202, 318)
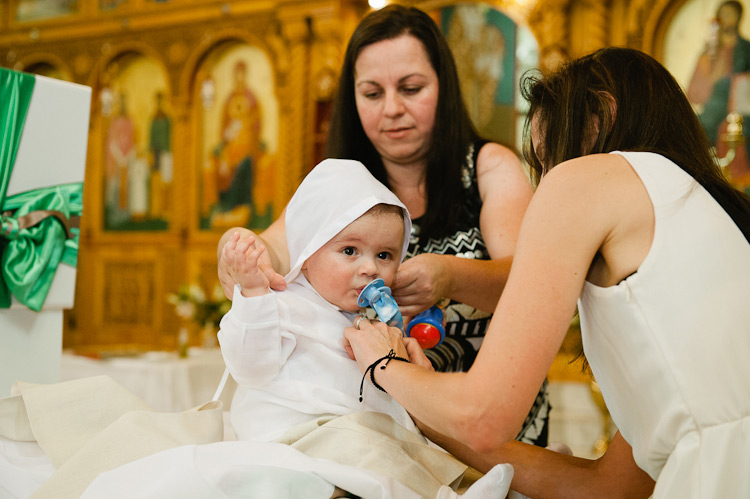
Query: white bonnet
point(334, 194)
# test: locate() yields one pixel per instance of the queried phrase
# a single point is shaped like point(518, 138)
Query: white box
point(52, 151)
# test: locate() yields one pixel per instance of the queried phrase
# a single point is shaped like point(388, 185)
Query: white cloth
point(164, 381)
point(334, 194)
point(670, 344)
point(286, 352)
point(84, 427)
point(285, 349)
point(24, 467)
point(264, 470)
point(240, 469)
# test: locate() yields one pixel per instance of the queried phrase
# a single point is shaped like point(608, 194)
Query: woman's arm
point(274, 261)
point(574, 211)
point(542, 473)
point(505, 191)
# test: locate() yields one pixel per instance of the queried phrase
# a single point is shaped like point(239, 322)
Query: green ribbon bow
point(36, 232)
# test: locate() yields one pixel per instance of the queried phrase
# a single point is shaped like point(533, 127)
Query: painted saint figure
point(120, 153)
point(236, 153)
point(726, 54)
point(160, 146)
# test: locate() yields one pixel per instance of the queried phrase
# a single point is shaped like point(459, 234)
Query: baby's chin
point(349, 307)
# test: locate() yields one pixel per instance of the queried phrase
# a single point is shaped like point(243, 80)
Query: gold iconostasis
point(206, 115)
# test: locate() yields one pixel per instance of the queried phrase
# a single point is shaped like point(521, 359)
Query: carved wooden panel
point(129, 290)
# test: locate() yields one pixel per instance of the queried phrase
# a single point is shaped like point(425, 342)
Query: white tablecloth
point(164, 381)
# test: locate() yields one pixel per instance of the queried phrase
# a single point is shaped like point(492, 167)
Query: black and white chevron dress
point(466, 325)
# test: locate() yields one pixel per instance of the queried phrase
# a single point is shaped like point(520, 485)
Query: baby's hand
point(242, 260)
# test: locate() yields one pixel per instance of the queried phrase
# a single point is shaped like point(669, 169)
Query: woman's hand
point(420, 282)
point(227, 273)
point(369, 341)
point(416, 354)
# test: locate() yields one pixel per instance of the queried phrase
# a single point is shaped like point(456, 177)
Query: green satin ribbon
point(32, 240)
point(15, 95)
point(31, 255)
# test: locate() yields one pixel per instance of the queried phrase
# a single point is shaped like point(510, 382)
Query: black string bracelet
point(371, 369)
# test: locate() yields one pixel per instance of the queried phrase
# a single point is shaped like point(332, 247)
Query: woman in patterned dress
point(399, 111)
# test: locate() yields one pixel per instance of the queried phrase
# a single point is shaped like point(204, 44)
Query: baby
point(285, 349)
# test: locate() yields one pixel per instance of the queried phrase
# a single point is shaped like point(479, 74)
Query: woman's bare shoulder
point(597, 187)
point(605, 171)
point(499, 170)
point(601, 196)
point(493, 155)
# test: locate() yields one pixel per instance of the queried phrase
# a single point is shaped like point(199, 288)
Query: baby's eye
point(385, 255)
point(348, 251)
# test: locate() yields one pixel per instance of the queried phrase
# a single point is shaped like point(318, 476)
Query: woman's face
point(396, 92)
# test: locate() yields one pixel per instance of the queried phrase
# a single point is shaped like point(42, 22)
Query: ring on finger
point(358, 320)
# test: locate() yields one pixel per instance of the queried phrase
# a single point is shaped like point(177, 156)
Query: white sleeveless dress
point(670, 345)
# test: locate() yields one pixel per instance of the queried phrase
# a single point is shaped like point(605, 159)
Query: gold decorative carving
point(326, 58)
point(124, 276)
point(293, 105)
point(550, 24)
point(82, 64)
point(177, 52)
point(637, 12)
point(280, 50)
point(656, 20)
point(594, 14)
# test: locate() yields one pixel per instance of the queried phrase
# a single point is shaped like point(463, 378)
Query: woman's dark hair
point(453, 130)
point(639, 106)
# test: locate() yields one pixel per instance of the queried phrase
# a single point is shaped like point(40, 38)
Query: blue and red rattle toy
point(427, 327)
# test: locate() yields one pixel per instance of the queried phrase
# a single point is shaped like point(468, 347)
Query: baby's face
point(368, 248)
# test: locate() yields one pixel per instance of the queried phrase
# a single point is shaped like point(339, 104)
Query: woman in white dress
point(632, 222)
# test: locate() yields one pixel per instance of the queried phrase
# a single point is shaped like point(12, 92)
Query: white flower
point(218, 295)
point(185, 309)
point(196, 294)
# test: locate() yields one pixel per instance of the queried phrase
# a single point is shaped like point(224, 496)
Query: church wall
point(137, 247)
point(184, 50)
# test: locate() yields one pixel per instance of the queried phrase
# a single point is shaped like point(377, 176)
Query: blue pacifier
point(378, 296)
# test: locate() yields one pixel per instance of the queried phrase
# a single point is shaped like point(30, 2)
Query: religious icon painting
point(239, 119)
point(137, 149)
point(714, 70)
point(491, 52)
